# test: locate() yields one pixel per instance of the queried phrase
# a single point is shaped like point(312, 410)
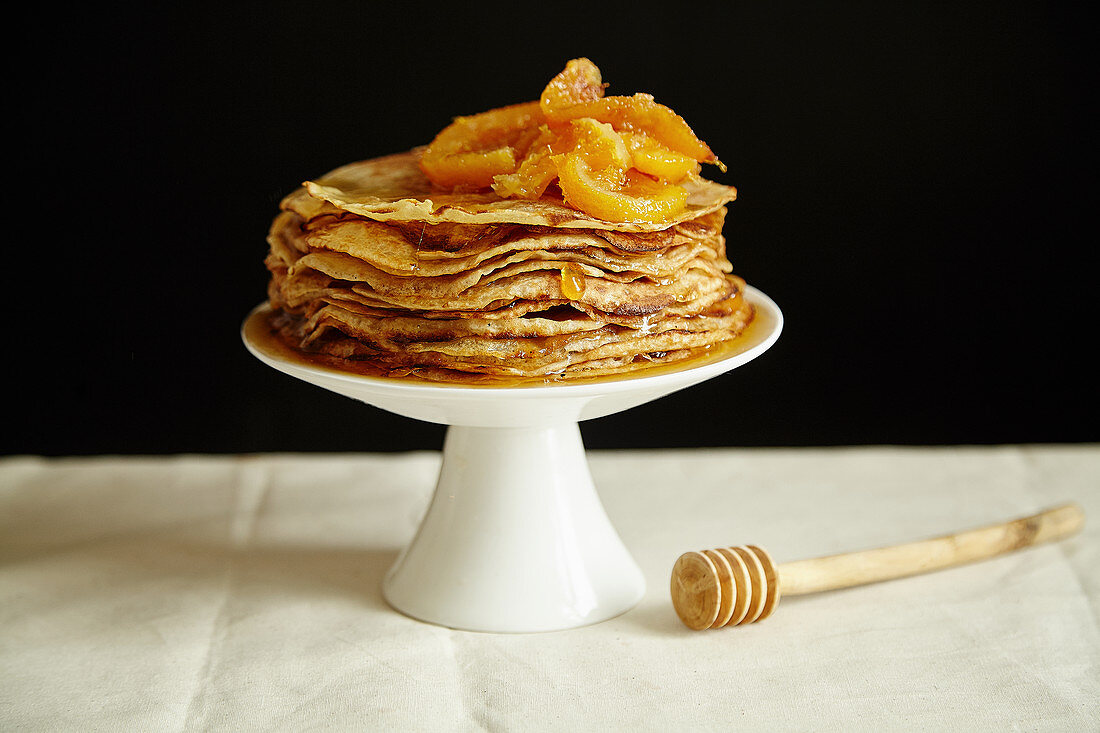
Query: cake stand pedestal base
point(515, 538)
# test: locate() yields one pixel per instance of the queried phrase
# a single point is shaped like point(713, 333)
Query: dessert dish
point(558, 239)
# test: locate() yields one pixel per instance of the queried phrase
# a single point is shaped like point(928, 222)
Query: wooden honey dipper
point(739, 585)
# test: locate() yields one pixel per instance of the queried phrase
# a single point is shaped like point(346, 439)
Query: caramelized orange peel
point(617, 158)
point(472, 150)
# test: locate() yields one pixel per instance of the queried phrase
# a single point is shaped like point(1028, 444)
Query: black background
point(916, 192)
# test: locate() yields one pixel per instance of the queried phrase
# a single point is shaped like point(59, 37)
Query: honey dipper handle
point(899, 561)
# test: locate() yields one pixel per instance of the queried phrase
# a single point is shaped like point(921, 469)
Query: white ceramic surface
point(515, 539)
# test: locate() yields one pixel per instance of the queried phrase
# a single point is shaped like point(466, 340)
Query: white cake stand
point(515, 538)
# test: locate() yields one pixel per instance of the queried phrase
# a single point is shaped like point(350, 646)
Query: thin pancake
point(341, 333)
point(388, 248)
point(393, 188)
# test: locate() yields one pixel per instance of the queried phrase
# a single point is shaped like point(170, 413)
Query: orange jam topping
point(622, 159)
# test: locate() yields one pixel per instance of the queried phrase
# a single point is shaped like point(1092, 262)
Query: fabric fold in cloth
point(244, 592)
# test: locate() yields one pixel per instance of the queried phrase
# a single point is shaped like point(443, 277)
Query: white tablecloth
point(243, 593)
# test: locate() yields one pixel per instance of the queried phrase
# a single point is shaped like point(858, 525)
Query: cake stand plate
point(515, 538)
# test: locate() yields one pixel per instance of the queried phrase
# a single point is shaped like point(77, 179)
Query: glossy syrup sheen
point(261, 334)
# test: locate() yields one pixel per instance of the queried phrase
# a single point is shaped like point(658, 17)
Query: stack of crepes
point(565, 238)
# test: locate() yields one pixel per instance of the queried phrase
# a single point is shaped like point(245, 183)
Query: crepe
point(393, 188)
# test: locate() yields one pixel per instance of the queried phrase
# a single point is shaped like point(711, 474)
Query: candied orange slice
point(530, 180)
point(535, 172)
point(595, 177)
point(604, 150)
point(654, 159)
point(640, 113)
point(664, 164)
point(579, 82)
point(639, 199)
point(472, 150)
point(475, 170)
